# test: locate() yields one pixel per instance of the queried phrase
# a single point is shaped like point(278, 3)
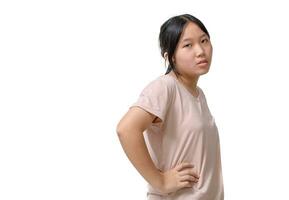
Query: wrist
point(159, 181)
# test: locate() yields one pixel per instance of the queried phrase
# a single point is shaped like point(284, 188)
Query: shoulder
point(202, 94)
point(201, 91)
point(162, 82)
point(160, 89)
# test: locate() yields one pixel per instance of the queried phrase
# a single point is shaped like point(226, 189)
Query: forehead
point(192, 31)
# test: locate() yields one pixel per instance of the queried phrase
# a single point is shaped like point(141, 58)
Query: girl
point(179, 152)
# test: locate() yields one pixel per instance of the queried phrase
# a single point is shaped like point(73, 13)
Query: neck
point(188, 82)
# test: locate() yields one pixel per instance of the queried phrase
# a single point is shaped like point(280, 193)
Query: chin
point(204, 71)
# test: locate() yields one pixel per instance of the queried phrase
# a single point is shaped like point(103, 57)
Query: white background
point(69, 70)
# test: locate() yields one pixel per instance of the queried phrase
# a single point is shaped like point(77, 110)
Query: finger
point(183, 165)
point(189, 178)
point(189, 172)
point(186, 184)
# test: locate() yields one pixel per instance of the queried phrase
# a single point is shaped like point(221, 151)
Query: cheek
point(185, 59)
point(209, 55)
point(209, 51)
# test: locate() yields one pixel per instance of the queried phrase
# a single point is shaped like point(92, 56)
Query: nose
point(199, 51)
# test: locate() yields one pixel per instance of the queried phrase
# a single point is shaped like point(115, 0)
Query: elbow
point(124, 129)
point(119, 130)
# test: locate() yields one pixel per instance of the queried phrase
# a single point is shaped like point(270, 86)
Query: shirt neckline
point(182, 86)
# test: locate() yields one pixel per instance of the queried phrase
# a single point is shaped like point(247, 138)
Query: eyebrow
point(192, 38)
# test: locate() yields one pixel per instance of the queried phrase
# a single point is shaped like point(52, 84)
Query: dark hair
point(170, 33)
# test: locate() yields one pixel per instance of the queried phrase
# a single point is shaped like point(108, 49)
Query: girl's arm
point(130, 132)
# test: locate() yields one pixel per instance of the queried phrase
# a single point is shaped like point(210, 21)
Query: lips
point(202, 61)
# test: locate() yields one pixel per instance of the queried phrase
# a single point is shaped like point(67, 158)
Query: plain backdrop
point(69, 70)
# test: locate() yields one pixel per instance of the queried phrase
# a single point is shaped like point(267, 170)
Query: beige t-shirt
point(187, 133)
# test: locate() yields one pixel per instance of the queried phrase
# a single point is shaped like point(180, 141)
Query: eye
point(188, 45)
point(206, 40)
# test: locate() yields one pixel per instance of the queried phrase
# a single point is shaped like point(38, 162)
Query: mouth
point(202, 62)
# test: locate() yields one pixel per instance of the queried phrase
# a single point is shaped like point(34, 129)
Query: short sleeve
point(155, 98)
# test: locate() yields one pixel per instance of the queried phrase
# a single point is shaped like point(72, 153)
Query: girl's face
point(194, 46)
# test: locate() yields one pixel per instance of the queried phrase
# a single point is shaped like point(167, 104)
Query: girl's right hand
point(181, 176)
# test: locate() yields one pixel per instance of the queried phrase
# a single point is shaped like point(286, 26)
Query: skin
point(132, 125)
point(130, 132)
point(188, 53)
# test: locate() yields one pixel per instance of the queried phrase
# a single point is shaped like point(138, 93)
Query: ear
point(166, 55)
